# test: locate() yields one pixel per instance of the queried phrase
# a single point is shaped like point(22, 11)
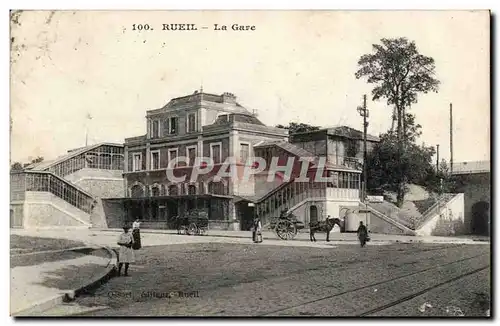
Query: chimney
point(228, 98)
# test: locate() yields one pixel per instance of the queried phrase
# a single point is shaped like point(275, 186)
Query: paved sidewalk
point(33, 284)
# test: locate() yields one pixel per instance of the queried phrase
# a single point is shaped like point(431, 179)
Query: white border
point(213, 4)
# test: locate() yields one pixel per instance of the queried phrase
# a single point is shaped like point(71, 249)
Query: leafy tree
point(294, 127)
point(37, 160)
point(399, 73)
point(16, 166)
point(440, 181)
point(416, 162)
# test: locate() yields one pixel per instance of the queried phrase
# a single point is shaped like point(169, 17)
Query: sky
point(295, 66)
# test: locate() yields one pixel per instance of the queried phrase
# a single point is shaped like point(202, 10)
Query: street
point(232, 279)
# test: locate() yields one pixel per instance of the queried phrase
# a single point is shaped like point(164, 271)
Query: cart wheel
point(192, 229)
point(291, 232)
point(282, 229)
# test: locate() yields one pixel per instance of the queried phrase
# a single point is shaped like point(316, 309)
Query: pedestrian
point(257, 230)
point(362, 234)
point(136, 233)
point(126, 253)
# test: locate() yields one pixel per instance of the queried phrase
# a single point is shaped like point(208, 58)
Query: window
point(172, 125)
point(172, 154)
point(216, 152)
point(136, 191)
point(137, 162)
point(173, 190)
point(191, 154)
point(335, 179)
point(244, 152)
point(165, 129)
point(216, 188)
point(191, 190)
point(155, 191)
point(155, 128)
point(191, 122)
point(155, 160)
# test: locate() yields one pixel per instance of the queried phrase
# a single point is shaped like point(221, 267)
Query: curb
point(69, 295)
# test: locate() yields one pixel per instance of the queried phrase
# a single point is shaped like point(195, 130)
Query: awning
point(179, 197)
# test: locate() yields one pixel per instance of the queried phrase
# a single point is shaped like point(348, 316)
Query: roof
point(342, 131)
point(237, 117)
point(44, 165)
point(348, 132)
point(225, 102)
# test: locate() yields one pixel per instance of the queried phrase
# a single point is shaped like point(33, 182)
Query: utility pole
point(437, 158)
point(363, 111)
point(88, 118)
point(451, 138)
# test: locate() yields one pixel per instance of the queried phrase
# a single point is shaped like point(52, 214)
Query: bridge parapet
point(471, 167)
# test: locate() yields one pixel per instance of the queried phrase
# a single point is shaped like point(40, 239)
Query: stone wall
point(43, 209)
point(378, 225)
point(113, 212)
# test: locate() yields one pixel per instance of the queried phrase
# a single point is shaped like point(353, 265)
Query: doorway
point(481, 218)
point(313, 214)
point(246, 215)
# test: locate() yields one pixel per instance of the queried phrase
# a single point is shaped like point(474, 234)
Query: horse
point(181, 223)
point(323, 226)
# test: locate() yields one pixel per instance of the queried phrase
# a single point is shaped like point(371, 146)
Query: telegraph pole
point(363, 111)
point(451, 138)
point(437, 158)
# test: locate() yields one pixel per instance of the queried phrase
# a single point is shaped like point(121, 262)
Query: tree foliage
point(399, 73)
point(440, 181)
point(382, 163)
point(18, 166)
point(294, 127)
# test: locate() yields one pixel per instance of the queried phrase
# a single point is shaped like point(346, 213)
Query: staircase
point(413, 215)
point(289, 196)
point(68, 188)
point(43, 199)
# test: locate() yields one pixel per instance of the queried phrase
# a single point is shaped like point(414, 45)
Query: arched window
point(173, 190)
point(191, 190)
point(155, 191)
point(136, 191)
point(216, 188)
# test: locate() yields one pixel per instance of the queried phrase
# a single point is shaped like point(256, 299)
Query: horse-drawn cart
point(286, 227)
point(195, 222)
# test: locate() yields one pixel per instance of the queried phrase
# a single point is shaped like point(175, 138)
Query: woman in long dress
point(126, 253)
point(362, 234)
point(136, 233)
point(257, 230)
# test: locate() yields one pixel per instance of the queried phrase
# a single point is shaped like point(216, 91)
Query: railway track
point(419, 293)
point(380, 283)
